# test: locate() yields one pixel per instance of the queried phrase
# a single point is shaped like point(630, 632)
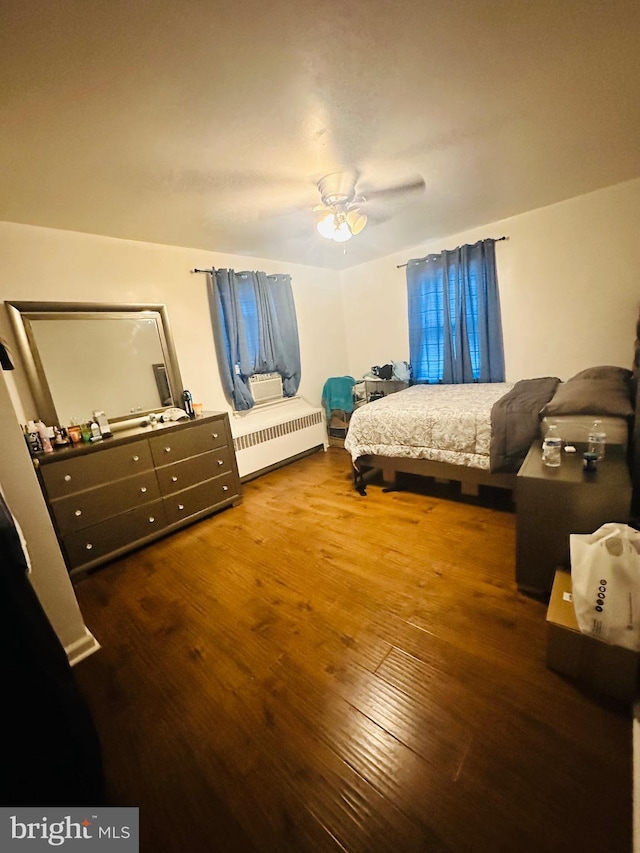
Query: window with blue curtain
point(255, 331)
point(455, 327)
point(248, 302)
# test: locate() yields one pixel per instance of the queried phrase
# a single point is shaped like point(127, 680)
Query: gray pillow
point(590, 397)
point(605, 371)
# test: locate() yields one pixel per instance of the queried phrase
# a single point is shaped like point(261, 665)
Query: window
point(249, 309)
point(455, 331)
point(255, 330)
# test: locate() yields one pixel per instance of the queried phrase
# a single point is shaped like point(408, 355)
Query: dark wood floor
point(315, 670)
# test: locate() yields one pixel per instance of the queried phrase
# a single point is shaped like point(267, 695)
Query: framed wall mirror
point(85, 357)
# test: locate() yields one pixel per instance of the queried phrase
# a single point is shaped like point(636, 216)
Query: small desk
point(375, 388)
point(552, 503)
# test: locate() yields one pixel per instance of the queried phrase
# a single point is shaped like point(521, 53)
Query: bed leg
point(389, 476)
point(358, 481)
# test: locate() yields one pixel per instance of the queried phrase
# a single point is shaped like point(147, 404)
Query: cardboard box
point(608, 669)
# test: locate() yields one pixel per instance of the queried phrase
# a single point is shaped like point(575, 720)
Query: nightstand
point(552, 503)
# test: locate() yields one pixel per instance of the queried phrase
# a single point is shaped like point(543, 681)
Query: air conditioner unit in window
point(266, 387)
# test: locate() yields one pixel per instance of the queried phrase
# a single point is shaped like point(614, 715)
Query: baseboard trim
point(636, 777)
point(281, 463)
point(82, 648)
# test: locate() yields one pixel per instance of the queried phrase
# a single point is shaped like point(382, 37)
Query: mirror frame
point(23, 314)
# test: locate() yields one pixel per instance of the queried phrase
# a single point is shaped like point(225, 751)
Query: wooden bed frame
point(470, 479)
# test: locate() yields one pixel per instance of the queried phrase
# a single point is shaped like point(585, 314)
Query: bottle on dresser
point(45, 438)
point(33, 438)
point(188, 403)
point(101, 419)
point(61, 438)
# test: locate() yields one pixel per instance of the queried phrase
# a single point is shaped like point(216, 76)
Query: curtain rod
point(212, 270)
point(399, 266)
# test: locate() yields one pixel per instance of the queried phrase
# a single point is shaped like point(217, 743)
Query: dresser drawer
point(118, 532)
point(172, 446)
point(73, 474)
point(189, 472)
point(198, 498)
point(89, 507)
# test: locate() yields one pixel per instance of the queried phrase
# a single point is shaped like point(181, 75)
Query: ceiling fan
point(340, 214)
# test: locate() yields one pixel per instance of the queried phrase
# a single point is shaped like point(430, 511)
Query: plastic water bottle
point(597, 439)
point(552, 448)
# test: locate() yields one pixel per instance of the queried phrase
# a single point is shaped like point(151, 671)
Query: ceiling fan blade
point(416, 185)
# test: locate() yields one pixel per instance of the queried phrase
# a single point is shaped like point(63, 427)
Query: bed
point(479, 434)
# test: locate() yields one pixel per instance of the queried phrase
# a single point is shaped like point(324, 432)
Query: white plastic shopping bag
point(605, 580)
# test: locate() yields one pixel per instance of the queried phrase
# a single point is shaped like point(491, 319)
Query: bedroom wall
point(48, 572)
point(45, 264)
point(569, 285)
point(65, 266)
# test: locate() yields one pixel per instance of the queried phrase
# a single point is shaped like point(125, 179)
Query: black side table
point(552, 503)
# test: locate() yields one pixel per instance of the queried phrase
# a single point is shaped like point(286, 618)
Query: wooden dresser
point(115, 495)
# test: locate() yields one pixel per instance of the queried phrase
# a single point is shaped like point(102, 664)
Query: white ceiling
point(207, 123)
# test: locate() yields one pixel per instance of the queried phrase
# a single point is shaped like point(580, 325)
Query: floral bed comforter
point(443, 423)
point(484, 425)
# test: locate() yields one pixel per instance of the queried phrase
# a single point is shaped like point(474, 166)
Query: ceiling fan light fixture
point(342, 233)
point(356, 221)
point(340, 214)
point(327, 226)
point(341, 219)
point(334, 227)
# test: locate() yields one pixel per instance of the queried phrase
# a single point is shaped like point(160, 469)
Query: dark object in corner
point(188, 403)
point(6, 360)
point(384, 372)
point(50, 749)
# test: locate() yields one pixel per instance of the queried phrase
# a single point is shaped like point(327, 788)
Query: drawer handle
point(180, 506)
point(167, 450)
point(220, 461)
point(78, 513)
point(174, 479)
point(67, 477)
point(225, 488)
point(143, 489)
point(151, 519)
point(136, 458)
point(88, 546)
point(214, 435)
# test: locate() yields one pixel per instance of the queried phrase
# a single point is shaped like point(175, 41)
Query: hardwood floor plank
point(315, 670)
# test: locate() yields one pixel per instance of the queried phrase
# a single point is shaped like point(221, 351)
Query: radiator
point(272, 434)
point(266, 387)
